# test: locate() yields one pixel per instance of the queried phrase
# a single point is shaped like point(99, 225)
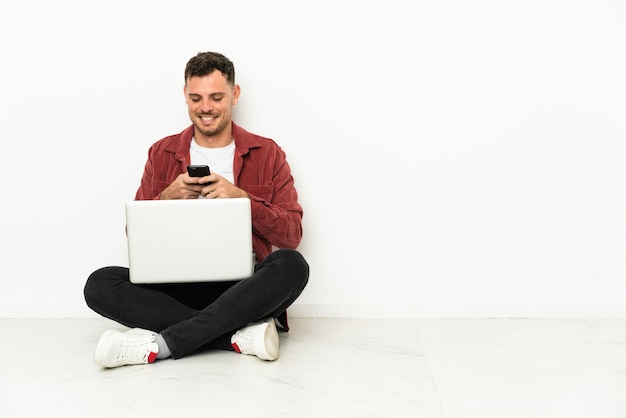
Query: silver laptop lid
point(182, 241)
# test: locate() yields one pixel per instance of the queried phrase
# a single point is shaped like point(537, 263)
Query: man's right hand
point(184, 187)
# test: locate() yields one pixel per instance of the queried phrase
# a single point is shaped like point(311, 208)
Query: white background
point(454, 158)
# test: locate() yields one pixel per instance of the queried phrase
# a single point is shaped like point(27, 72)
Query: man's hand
point(219, 187)
point(184, 187)
point(212, 186)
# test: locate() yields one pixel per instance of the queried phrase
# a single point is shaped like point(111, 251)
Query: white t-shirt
point(219, 160)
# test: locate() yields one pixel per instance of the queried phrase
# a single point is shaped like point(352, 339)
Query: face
point(210, 100)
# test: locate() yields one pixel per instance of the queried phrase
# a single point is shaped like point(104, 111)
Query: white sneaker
point(258, 339)
point(136, 346)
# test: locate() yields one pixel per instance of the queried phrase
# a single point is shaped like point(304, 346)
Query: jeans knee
point(295, 265)
point(90, 291)
point(95, 287)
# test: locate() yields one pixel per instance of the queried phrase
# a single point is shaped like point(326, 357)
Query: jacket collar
point(244, 141)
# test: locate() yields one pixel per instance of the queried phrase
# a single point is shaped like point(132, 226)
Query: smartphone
point(198, 170)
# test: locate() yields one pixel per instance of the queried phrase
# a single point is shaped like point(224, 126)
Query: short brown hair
point(204, 63)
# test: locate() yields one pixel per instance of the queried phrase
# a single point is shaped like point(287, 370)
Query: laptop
point(189, 240)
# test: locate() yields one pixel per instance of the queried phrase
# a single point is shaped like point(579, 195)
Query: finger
point(194, 190)
point(208, 193)
point(190, 195)
point(206, 180)
point(192, 181)
point(185, 179)
point(188, 180)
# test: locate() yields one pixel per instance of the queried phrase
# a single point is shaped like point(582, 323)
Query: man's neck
point(221, 140)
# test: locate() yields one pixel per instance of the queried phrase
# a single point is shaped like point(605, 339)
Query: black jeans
point(191, 316)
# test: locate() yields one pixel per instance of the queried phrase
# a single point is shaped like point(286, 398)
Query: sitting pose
point(173, 320)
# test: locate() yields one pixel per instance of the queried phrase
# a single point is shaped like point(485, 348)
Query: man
point(173, 320)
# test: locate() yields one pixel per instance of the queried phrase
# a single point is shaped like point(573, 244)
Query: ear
point(236, 92)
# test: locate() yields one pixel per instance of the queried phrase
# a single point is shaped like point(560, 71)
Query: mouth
point(207, 118)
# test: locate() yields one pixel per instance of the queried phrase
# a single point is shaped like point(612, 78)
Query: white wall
point(454, 158)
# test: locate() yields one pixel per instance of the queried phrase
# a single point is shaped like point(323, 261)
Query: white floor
point(489, 368)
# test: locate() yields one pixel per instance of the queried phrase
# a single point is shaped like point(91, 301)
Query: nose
point(206, 107)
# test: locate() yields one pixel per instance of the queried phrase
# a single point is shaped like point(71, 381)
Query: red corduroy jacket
point(260, 168)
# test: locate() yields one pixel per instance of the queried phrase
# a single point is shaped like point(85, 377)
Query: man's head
point(204, 63)
point(211, 93)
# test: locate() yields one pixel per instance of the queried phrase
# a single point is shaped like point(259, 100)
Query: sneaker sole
point(270, 343)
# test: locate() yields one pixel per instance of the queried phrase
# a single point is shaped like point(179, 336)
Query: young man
point(178, 319)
